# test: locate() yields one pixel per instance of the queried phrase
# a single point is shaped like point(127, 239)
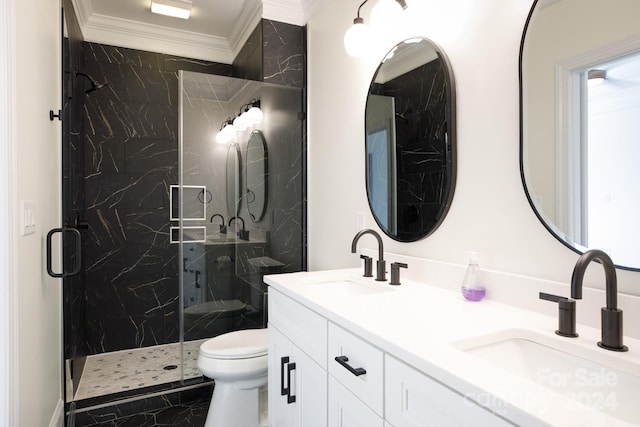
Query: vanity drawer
point(413, 399)
point(305, 328)
point(362, 372)
point(345, 410)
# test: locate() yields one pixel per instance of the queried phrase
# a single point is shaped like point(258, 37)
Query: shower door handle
point(78, 241)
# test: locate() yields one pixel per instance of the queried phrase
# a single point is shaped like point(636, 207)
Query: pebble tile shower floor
point(127, 370)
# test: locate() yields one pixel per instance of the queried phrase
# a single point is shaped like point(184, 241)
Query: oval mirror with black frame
point(256, 178)
point(410, 139)
point(233, 180)
point(579, 99)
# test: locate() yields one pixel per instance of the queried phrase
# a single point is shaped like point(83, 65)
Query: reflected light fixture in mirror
point(174, 8)
point(227, 132)
point(250, 115)
point(383, 14)
point(596, 77)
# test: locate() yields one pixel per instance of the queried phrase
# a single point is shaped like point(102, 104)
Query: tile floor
point(127, 370)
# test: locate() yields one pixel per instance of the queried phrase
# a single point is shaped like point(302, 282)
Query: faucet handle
point(395, 272)
point(368, 266)
point(566, 314)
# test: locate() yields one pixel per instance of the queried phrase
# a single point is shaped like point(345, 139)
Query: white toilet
point(237, 362)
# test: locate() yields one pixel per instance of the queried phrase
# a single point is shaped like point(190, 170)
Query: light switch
point(28, 223)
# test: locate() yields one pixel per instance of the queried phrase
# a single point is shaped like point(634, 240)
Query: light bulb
point(221, 138)
point(240, 122)
point(254, 116)
point(385, 14)
point(356, 39)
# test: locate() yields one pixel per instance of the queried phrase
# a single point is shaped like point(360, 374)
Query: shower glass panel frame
point(221, 287)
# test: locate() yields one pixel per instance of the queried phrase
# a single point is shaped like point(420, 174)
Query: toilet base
point(232, 406)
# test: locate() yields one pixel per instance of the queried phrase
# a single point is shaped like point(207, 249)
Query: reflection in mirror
point(256, 177)
point(578, 138)
point(233, 180)
point(410, 140)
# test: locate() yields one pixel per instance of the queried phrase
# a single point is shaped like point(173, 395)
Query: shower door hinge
point(52, 115)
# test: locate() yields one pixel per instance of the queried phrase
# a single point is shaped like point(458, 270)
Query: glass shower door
point(241, 203)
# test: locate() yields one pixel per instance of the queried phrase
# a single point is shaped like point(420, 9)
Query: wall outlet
point(28, 217)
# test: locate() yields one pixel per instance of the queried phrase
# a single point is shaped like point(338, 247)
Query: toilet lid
point(243, 344)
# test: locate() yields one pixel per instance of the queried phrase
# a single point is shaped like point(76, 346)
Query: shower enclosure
point(177, 230)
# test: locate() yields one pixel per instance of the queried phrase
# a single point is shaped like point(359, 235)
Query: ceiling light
point(174, 8)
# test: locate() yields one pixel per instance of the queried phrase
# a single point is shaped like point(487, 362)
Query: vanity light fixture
point(250, 115)
point(596, 77)
point(253, 114)
point(227, 132)
point(357, 37)
point(174, 8)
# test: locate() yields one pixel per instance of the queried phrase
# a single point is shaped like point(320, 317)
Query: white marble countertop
point(423, 325)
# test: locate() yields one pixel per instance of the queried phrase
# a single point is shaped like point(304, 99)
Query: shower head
point(94, 86)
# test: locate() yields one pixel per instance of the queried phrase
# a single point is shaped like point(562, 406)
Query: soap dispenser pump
point(472, 286)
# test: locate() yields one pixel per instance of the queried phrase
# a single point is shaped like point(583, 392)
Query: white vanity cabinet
point(297, 364)
point(346, 410)
point(297, 385)
point(413, 399)
point(321, 374)
point(356, 374)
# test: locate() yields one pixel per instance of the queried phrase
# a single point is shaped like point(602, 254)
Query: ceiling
point(216, 30)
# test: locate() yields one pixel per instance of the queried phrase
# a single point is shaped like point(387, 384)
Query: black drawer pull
point(355, 371)
point(290, 398)
point(283, 390)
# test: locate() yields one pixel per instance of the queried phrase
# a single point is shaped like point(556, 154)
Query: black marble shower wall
point(274, 53)
point(130, 159)
point(129, 140)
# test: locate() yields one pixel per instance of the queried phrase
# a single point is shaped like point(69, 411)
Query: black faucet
point(380, 265)
point(223, 228)
point(242, 234)
point(611, 315)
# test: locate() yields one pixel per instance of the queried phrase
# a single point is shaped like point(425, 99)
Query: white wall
point(490, 213)
point(34, 65)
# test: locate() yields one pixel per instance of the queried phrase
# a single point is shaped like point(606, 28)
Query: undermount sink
point(347, 287)
point(605, 381)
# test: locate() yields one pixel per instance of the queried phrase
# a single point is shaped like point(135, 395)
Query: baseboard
point(57, 419)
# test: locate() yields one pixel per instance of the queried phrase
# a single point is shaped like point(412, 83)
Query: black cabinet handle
point(290, 398)
point(198, 279)
point(355, 371)
point(78, 241)
point(283, 390)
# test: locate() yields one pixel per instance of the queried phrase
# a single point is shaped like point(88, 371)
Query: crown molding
point(137, 35)
point(547, 3)
point(125, 33)
point(310, 7)
point(247, 22)
point(289, 11)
